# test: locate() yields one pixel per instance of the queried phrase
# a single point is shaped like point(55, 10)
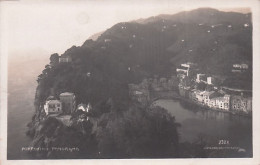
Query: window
point(51, 106)
point(58, 105)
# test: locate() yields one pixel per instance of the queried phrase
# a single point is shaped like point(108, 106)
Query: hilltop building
point(84, 107)
point(52, 107)
point(68, 102)
point(65, 59)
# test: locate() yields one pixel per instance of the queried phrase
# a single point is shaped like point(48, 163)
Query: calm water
point(211, 125)
point(21, 91)
point(20, 112)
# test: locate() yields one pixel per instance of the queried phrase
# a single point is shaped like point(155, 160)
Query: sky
point(53, 27)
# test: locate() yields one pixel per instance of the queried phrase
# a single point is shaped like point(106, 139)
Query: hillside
point(128, 52)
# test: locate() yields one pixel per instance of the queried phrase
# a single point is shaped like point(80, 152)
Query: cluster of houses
point(212, 96)
point(66, 104)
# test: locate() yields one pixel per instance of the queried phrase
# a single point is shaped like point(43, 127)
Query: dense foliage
point(133, 133)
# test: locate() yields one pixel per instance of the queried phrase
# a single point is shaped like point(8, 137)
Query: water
point(211, 125)
point(21, 91)
point(18, 117)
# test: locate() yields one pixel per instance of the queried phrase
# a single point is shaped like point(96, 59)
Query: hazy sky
point(56, 26)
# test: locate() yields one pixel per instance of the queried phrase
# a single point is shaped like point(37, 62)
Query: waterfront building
point(241, 103)
point(222, 103)
point(249, 105)
point(136, 92)
point(68, 102)
point(184, 91)
point(52, 107)
point(207, 95)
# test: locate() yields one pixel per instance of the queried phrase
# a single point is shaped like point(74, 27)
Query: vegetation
point(134, 133)
point(101, 70)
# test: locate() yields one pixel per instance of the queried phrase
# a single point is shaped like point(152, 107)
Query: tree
point(138, 133)
point(54, 59)
point(201, 86)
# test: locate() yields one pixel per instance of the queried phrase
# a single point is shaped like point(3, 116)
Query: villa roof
point(66, 94)
point(53, 102)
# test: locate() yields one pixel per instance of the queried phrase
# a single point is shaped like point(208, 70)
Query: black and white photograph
point(114, 80)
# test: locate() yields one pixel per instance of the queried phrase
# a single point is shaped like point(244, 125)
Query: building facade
point(241, 103)
point(52, 107)
point(64, 59)
point(68, 102)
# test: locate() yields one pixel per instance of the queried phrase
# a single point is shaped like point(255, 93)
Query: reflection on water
point(211, 125)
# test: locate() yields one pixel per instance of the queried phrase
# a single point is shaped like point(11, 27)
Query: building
point(196, 96)
point(222, 103)
point(186, 69)
point(65, 59)
point(201, 77)
point(207, 95)
point(68, 102)
point(249, 105)
point(84, 107)
point(52, 107)
point(241, 103)
point(184, 91)
point(210, 80)
point(138, 93)
point(107, 40)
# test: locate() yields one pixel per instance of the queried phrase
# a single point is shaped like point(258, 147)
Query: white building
point(209, 80)
point(222, 103)
point(186, 68)
point(84, 107)
point(53, 106)
point(200, 77)
point(64, 59)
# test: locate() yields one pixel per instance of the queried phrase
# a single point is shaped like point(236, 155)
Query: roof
point(66, 94)
point(53, 102)
point(50, 98)
point(208, 93)
point(83, 105)
point(219, 98)
point(183, 67)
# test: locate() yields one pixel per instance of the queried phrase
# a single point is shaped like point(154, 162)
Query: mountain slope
point(131, 51)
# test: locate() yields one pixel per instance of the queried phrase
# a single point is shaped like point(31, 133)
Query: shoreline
point(206, 108)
